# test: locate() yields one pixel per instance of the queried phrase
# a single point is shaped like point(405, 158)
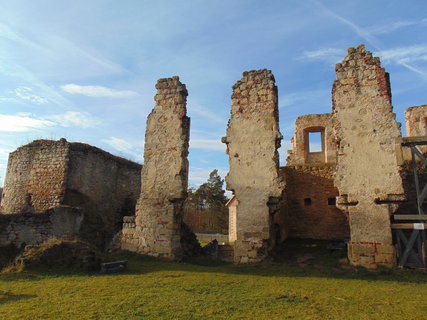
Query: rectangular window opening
point(307, 201)
point(315, 141)
point(332, 201)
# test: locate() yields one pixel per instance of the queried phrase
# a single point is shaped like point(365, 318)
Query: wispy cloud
point(11, 123)
point(26, 93)
point(7, 99)
point(74, 119)
point(391, 27)
point(207, 144)
point(361, 32)
point(304, 97)
point(205, 113)
point(123, 146)
point(368, 35)
point(405, 54)
point(197, 176)
point(330, 55)
point(98, 91)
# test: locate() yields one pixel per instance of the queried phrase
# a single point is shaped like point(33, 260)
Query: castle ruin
point(46, 174)
point(350, 187)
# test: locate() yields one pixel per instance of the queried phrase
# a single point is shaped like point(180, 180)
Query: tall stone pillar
point(252, 140)
point(156, 229)
point(367, 174)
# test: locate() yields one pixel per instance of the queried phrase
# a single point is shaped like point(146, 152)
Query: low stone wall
point(30, 229)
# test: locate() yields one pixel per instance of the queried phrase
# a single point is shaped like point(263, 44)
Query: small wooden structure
point(410, 230)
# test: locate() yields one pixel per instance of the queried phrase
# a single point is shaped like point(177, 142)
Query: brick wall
point(309, 203)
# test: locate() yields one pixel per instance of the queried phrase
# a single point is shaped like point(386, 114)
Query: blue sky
point(86, 70)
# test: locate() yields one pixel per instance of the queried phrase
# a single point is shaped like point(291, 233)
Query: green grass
point(319, 288)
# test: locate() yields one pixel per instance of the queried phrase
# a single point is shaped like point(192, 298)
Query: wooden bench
point(113, 266)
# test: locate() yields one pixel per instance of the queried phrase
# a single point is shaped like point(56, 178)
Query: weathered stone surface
point(252, 140)
point(367, 174)
point(416, 125)
point(157, 228)
point(45, 174)
point(300, 153)
point(62, 222)
point(416, 121)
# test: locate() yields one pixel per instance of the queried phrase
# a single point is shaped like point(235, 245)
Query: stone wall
point(304, 125)
point(416, 121)
point(45, 174)
point(310, 203)
point(105, 185)
point(34, 228)
point(252, 140)
point(35, 177)
point(158, 222)
point(367, 175)
point(416, 125)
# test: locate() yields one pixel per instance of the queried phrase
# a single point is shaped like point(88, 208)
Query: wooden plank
point(420, 140)
point(409, 247)
point(405, 226)
point(416, 217)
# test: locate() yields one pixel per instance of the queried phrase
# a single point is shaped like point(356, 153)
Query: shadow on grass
point(6, 296)
point(297, 258)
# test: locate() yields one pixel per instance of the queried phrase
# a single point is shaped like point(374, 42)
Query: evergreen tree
point(210, 198)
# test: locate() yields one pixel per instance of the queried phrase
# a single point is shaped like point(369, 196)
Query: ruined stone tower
point(367, 174)
point(157, 226)
point(252, 140)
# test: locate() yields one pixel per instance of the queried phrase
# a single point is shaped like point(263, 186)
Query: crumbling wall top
point(416, 121)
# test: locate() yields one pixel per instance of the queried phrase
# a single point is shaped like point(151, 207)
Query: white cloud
point(74, 119)
point(98, 91)
point(369, 36)
point(331, 55)
point(7, 99)
point(205, 113)
point(388, 28)
point(25, 93)
point(136, 151)
point(405, 54)
point(197, 176)
point(10, 123)
point(207, 144)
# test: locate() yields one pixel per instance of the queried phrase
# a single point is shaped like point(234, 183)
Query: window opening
point(315, 141)
point(332, 201)
point(307, 201)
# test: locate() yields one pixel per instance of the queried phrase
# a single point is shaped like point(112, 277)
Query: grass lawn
point(307, 283)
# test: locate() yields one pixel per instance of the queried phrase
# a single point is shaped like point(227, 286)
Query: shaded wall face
point(310, 204)
point(367, 171)
point(35, 179)
point(106, 187)
point(252, 140)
